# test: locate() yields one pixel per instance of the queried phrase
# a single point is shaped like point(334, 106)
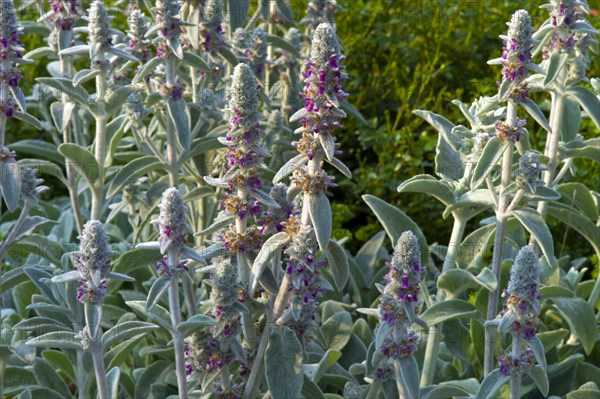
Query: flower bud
point(93, 263)
point(171, 223)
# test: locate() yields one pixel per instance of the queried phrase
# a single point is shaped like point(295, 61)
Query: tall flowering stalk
point(395, 343)
point(516, 66)
point(92, 274)
point(210, 357)
point(519, 319)
point(566, 40)
point(63, 16)
point(319, 118)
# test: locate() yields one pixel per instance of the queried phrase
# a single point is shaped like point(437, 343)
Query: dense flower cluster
point(244, 157)
point(521, 305)
point(323, 90)
point(63, 14)
point(100, 34)
point(521, 309)
point(210, 28)
point(572, 35)
point(169, 25)
point(528, 175)
point(276, 217)
point(512, 133)
point(318, 12)
point(171, 223)
point(11, 53)
point(30, 185)
point(257, 51)
point(203, 354)
point(306, 283)
point(93, 262)
point(516, 58)
point(401, 293)
point(518, 366)
point(227, 300)
point(139, 45)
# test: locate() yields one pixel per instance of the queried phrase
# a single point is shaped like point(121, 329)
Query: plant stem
point(178, 345)
point(558, 108)
point(501, 216)
point(98, 358)
point(99, 147)
point(82, 394)
point(402, 391)
point(93, 312)
point(515, 380)
point(433, 338)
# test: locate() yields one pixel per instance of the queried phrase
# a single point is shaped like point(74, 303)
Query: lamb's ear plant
point(519, 322)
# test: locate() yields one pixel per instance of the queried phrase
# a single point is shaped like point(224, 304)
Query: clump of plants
point(183, 244)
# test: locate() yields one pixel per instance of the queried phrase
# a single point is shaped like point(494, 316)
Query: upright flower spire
point(516, 58)
point(93, 263)
point(11, 54)
point(171, 223)
point(168, 19)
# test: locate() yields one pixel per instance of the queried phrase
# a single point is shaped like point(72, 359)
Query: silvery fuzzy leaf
point(506, 322)
point(336, 257)
point(571, 120)
point(369, 312)
point(178, 113)
point(339, 165)
point(504, 89)
point(75, 50)
point(195, 61)
point(68, 276)
point(191, 254)
point(10, 184)
point(490, 157)
point(17, 94)
point(328, 143)
point(556, 62)
point(84, 162)
point(84, 75)
point(465, 111)
point(536, 113)
point(119, 276)
point(175, 46)
point(409, 370)
point(123, 54)
point(218, 224)
point(302, 112)
point(274, 244)
point(429, 185)
point(320, 214)
point(538, 350)
point(64, 39)
point(158, 289)
point(289, 167)
point(283, 364)
point(442, 125)
point(126, 330)
point(536, 225)
point(39, 52)
point(540, 378)
point(148, 245)
point(237, 350)
point(476, 197)
point(448, 162)
point(61, 114)
point(56, 339)
point(491, 384)
point(28, 118)
point(264, 198)
point(588, 101)
point(150, 66)
point(215, 182)
point(65, 86)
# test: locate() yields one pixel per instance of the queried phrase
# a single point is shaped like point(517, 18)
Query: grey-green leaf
point(283, 364)
point(450, 309)
point(131, 172)
point(395, 222)
point(410, 374)
point(536, 225)
point(194, 323)
point(112, 381)
point(124, 331)
point(159, 287)
point(588, 101)
point(177, 112)
point(580, 316)
point(269, 248)
point(492, 152)
point(336, 256)
point(491, 385)
point(10, 184)
point(83, 161)
point(429, 185)
point(320, 214)
point(536, 113)
point(539, 376)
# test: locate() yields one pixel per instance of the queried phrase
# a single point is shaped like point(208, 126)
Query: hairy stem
point(175, 310)
point(433, 338)
point(402, 391)
point(93, 318)
point(99, 147)
point(100, 371)
point(515, 380)
point(501, 216)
